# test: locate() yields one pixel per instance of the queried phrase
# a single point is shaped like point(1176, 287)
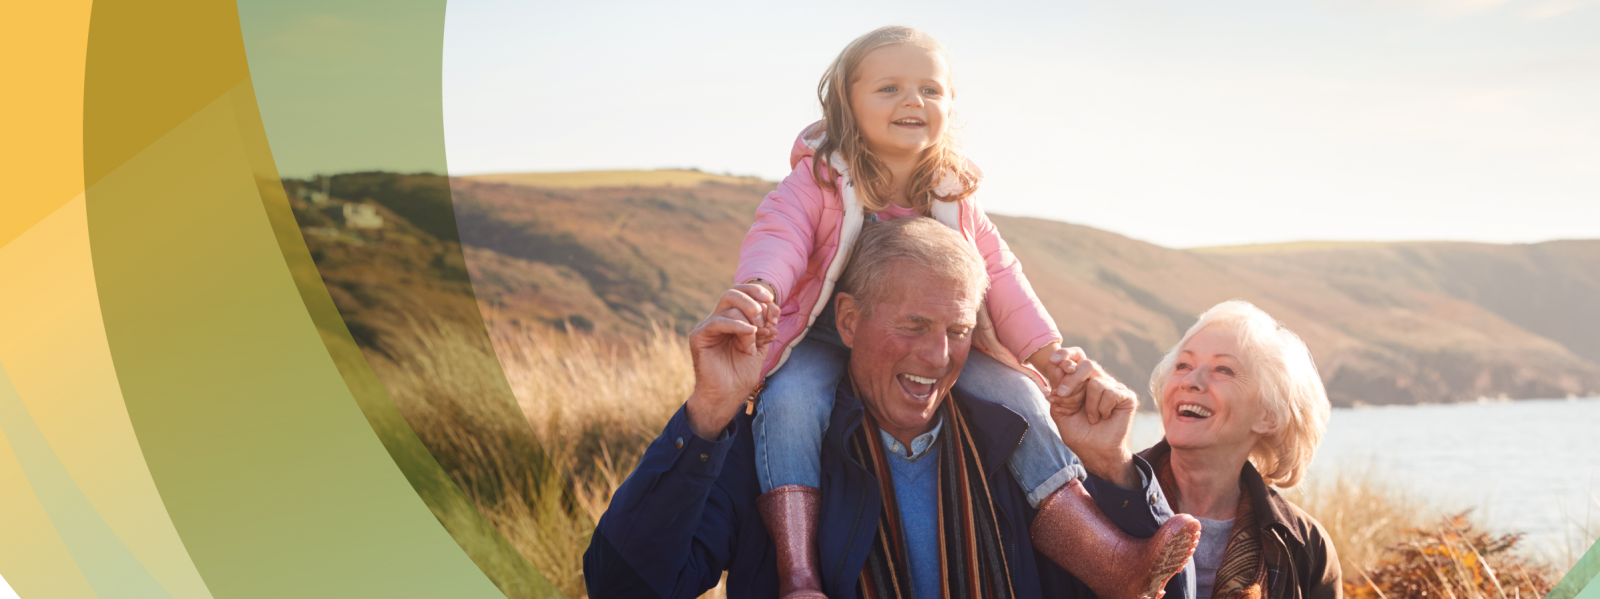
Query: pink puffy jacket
point(801, 241)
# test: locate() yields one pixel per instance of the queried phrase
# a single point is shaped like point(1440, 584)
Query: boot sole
point(1174, 554)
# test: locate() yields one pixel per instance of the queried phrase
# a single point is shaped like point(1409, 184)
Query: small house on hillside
point(362, 216)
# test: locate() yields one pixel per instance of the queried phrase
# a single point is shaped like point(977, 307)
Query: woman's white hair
point(1278, 366)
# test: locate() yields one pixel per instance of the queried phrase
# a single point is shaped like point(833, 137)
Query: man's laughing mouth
point(916, 386)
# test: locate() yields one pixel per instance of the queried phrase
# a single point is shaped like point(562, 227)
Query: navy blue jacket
point(688, 512)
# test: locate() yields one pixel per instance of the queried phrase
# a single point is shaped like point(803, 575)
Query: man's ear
point(846, 315)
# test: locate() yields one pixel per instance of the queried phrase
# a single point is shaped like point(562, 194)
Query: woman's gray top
point(1208, 554)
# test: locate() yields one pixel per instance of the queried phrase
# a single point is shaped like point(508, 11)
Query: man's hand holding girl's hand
point(728, 349)
point(1093, 412)
point(1069, 390)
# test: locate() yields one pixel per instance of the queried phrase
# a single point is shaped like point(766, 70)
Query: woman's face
point(900, 97)
point(1209, 401)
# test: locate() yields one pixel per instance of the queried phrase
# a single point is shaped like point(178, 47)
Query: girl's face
point(901, 100)
point(1208, 401)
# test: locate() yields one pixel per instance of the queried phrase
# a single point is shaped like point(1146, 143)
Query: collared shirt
point(919, 445)
point(916, 490)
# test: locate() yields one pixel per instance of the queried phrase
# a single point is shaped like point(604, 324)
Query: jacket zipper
point(1010, 537)
point(1020, 437)
point(1015, 555)
point(861, 504)
point(1024, 435)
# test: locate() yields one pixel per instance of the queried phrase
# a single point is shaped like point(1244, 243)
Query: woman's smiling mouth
point(1193, 411)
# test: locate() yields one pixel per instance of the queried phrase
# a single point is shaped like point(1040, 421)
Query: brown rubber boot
point(1071, 530)
point(791, 513)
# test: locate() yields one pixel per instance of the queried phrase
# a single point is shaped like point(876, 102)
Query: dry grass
point(543, 470)
point(592, 401)
point(1451, 558)
point(1363, 513)
point(1581, 531)
point(445, 381)
point(540, 470)
point(1392, 546)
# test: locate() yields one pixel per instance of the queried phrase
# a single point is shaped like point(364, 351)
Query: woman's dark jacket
point(1298, 557)
point(688, 512)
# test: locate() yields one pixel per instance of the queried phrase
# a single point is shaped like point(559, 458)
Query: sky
point(1183, 124)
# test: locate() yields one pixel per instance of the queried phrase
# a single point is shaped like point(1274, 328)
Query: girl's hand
point(1061, 368)
point(1054, 363)
point(1085, 390)
point(769, 302)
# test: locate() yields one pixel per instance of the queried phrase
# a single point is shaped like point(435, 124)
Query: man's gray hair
point(930, 249)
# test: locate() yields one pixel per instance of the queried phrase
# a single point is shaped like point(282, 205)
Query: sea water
point(1531, 466)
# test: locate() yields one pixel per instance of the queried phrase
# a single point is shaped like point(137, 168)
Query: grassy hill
point(615, 251)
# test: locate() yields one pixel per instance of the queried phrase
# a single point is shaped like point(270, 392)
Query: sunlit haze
point(1181, 124)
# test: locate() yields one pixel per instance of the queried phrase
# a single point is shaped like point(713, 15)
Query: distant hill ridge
point(592, 179)
point(1388, 323)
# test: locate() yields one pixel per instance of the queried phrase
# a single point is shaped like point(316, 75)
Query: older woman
point(1244, 409)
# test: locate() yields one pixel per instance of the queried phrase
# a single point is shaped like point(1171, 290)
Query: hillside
point(1388, 323)
point(613, 252)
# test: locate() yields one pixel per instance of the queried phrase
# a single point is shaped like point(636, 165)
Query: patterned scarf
point(1243, 568)
point(972, 561)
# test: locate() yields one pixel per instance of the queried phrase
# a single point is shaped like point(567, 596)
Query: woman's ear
point(846, 315)
point(1268, 424)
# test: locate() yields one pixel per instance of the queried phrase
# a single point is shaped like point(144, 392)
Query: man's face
point(905, 356)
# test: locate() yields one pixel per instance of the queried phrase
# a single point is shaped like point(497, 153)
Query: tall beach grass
point(543, 470)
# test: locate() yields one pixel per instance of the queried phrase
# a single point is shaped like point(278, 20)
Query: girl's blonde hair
point(1279, 366)
point(870, 176)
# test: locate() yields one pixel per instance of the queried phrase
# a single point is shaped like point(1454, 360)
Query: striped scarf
point(972, 561)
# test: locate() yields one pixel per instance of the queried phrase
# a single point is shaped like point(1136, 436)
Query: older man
point(907, 310)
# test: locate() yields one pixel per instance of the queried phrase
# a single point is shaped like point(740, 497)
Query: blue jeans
point(794, 408)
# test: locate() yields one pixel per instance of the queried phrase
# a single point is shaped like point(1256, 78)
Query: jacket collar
point(1272, 511)
point(1278, 515)
point(996, 429)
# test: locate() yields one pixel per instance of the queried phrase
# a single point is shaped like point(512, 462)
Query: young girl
point(884, 150)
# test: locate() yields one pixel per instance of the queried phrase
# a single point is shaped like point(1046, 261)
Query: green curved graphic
point(1583, 580)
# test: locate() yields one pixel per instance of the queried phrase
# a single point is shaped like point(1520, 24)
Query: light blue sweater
point(916, 489)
